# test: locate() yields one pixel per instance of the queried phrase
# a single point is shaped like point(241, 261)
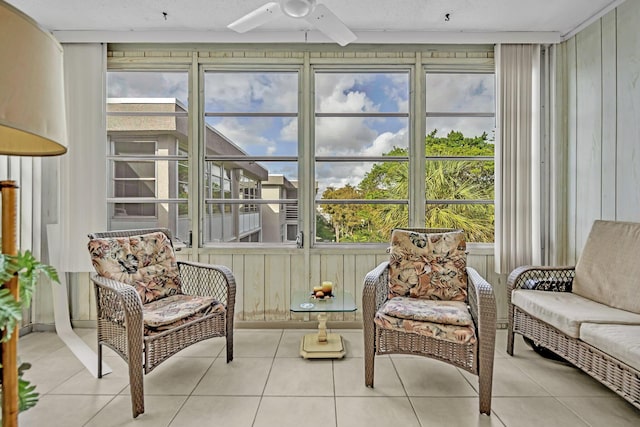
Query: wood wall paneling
point(254, 287)
point(609, 116)
point(571, 104)
point(277, 283)
point(628, 113)
point(588, 131)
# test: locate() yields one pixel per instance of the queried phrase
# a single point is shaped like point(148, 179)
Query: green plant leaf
point(10, 313)
point(7, 268)
point(29, 270)
point(27, 395)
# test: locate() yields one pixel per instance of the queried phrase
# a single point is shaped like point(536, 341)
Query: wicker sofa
point(588, 314)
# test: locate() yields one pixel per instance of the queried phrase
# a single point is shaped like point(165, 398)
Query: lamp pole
point(10, 406)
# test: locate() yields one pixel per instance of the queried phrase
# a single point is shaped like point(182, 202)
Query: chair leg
point(136, 347)
point(484, 383)
point(136, 384)
point(369, 355)
point(229, 346)
point(99, 360)
point(510, 334)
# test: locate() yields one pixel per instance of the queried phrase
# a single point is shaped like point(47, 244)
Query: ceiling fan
point(317, 14)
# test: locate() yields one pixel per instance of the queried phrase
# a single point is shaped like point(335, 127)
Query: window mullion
point(417, 184)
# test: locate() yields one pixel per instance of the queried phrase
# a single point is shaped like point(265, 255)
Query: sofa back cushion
point(428, 265)
point(608, 270)
point(146, 262)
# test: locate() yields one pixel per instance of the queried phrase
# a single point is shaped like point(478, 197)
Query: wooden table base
point(333, 348)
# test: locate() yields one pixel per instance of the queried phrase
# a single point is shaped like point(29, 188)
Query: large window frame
point(342, 203)
point(488, 113)
point(202, 193)
point(237, 205)
point(168, 157)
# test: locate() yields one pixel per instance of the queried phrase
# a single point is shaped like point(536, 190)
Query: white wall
point(602, 113)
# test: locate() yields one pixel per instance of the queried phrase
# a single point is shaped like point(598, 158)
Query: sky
point(335, 92)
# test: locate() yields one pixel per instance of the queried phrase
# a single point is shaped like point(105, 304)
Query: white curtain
point(518, 222)
point(83, 169)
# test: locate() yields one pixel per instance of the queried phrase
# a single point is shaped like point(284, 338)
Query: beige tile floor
point(268, 384)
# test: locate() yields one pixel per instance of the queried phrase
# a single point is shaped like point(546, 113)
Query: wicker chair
point(475, 357)
point(122, 328)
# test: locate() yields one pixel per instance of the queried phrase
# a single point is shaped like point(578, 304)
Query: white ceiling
point(373, 21)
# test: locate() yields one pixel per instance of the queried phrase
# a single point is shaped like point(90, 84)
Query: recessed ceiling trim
point(364, 37)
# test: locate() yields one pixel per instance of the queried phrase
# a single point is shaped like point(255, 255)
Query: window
point(134, 179)
point(148, 151)
point(459, 153)
point(344, 146)
point(250, 129)
point(361, 148)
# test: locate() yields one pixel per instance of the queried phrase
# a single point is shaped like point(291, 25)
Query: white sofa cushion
point(619, 341)
point(565, 311)
point(608, 268)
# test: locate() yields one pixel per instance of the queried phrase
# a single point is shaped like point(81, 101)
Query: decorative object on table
point(150, 306)
point(323, 291)
point(32, 123)
point(404, 311)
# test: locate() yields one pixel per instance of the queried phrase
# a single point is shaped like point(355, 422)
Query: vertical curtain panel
point(83, 169)
point(517, 219)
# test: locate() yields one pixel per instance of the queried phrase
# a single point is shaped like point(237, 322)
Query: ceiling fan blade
point(324, 20)
point(261, 15)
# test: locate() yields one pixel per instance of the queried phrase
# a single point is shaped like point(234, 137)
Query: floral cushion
point(146, 262)
point(429, 266)
point(444, 312)
point(452, 333)
point(170, 312)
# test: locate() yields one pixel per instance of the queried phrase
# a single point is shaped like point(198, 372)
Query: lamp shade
point(32, 107)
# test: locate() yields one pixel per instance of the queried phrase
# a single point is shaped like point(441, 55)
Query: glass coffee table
point(322, 345)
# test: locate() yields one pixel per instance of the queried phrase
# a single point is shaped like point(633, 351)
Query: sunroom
point(289, 156)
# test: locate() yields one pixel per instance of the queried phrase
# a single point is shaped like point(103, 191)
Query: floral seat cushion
point(147, 262)
point(444, 312)
point(445, 320)
point(452, 333)
point(170, 312)
point(429, 266)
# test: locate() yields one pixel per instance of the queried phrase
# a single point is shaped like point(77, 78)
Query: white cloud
point(386, 141)
point(469, 92)
point(246, 136)
point(148, 84)
point(247, 91)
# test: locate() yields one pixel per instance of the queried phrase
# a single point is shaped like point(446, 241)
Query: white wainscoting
point(267, 277)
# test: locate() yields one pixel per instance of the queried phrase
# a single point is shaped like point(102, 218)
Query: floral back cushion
point(146, 262)
point(428, 265)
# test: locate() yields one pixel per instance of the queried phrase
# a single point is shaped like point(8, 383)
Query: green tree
point(344, 218)
point(445, 180)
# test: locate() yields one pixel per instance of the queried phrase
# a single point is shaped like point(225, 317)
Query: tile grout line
point(273, 360)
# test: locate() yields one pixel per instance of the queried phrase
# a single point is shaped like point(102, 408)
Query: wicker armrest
point(557, 279)
point(482, 303)
point(376, 290)
point(118, 302)
point(208, 280)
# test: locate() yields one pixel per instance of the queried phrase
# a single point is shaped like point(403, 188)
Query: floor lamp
point(32, 123)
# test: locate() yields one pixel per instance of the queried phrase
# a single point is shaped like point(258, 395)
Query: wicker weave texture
point(476, 358)
point(120, 323)
point(618, 376)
